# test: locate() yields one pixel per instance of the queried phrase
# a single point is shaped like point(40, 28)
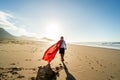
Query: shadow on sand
point(69, 76)
point(46, 73)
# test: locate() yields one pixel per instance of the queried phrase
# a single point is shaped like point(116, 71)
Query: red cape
point(51, 51)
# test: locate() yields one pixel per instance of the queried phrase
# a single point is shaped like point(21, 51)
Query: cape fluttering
point(51, 51)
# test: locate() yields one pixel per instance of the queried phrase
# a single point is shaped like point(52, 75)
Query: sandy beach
point(19, 60)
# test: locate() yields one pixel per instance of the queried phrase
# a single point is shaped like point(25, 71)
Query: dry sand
point(19, 60)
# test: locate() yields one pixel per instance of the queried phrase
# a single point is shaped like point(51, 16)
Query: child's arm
point(65, 45)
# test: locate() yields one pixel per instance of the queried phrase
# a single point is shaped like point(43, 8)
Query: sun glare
point(52, 30)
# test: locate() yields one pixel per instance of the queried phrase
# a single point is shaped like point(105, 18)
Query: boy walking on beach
point(62, 48)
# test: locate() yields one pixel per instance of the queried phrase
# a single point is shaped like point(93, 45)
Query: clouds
point(7, 21)
point(4, 21)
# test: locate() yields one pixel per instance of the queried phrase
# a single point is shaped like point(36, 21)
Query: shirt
point(63, 45)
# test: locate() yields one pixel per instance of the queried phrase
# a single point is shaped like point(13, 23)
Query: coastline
point(99, 45)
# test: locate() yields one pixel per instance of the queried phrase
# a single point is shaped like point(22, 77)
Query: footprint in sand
point(20, 76)
point(112, 77)
point(35, 49)
point(28, 60)
point(1, 68)
point(66, 62)
point(58, 68)
point(12, 64)
point(33, 78)
point(92, 67)
point(86, 57)
point(39, 59)
point(101, 65)
point(96, 70)
point(103, 71)
point(90, 63)
point(97, 62)
point(108, 79)
point(104, 66)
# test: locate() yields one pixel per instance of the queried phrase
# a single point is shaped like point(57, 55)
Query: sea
point(111, 45)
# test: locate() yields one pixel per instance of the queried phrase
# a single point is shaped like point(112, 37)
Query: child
point(62, 48)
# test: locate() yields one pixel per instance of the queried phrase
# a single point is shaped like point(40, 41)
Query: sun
point(52, 30)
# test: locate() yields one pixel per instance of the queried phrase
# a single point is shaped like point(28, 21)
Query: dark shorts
point(62, 50)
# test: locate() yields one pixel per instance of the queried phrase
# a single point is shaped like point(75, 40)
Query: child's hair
point(61, 37)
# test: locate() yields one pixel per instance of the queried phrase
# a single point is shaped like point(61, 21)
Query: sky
point(76, 20)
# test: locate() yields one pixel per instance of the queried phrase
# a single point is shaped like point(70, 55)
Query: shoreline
point(98, 46)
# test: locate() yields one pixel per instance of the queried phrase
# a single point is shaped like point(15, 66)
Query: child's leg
point(62, 57)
